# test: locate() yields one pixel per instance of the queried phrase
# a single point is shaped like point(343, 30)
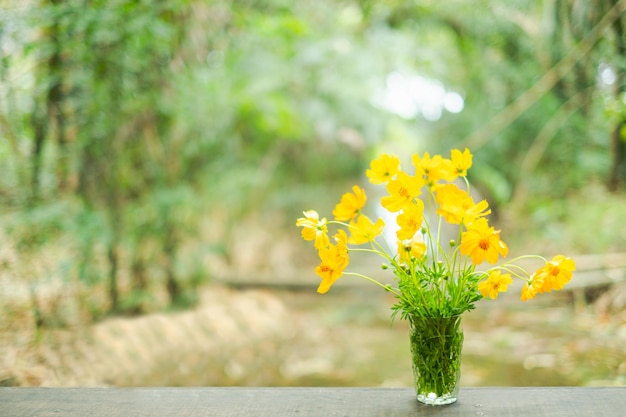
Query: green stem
point(436, 345)
point(372, 280)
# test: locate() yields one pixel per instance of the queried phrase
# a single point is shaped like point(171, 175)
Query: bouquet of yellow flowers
point(435, 281)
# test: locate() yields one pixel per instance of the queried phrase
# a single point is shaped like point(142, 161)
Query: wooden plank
point(304, 402)
point(593, 262)
point(591, 271)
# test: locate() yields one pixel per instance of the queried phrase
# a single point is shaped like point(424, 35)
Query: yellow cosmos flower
point(383, 169)
point(462, 161)
point(331, 267)
point(556, 273)
point(476, 211)
point(314, 228)
point(341, 248)
point(410, 221)
point(457, 206)
point(433, 169)
point(532, 287)
point(411, 248)
point(350, 205)
point(481, 242)
point(402, 192)
point(494, 284)
point(363, 230)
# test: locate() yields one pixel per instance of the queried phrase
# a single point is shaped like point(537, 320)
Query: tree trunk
point(113, 267)
point(617, 173)
point(618, 159)
point(174, 289)
point(55, 98)
point(38, 121)
point(140, 284)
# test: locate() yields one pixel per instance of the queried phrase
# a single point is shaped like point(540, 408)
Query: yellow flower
point(402, 192)
point(383, 169)
point(410, 220)
point(363, 230)
point(341, 248)
point(556, 273)
point(411, 248)
point(482, 242)
point(350, 205)
point(476, 211)
point(433, 169)
point(461, 161)
point(457, 206)
point(532, 287)
point(494, 284)
point(331, 267)
point(314, 228)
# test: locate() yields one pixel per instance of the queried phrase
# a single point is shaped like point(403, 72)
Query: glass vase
point(436, 344)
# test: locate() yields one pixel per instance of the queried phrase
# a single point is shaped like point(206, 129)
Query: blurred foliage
point(136, 135)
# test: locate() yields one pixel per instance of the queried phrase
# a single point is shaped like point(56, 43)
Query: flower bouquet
point(435, 281)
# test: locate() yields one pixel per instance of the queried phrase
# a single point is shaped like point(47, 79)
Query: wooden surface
point(304, 402)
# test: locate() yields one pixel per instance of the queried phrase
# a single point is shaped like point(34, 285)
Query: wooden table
point(304, 402)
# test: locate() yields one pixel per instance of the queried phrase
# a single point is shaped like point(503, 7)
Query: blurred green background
point(154, 156)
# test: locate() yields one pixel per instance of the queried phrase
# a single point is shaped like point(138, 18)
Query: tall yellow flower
point(532, 287)
point(494, 284)
point(350, 205)
point(476, 211)
point(411, 248)
point(433, 169)
point(556, 273)
point(410, 220)
point(363, 230)
point(457, 206)
point(402, 192)
point(462, 161)
point(330, 268)
point(481, 242)
point(383, 169)
point(341, 248)
point(314, 228)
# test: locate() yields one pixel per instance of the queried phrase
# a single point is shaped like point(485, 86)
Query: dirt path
point(275, 338)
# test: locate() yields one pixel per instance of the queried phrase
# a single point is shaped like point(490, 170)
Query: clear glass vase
point(436, 345)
